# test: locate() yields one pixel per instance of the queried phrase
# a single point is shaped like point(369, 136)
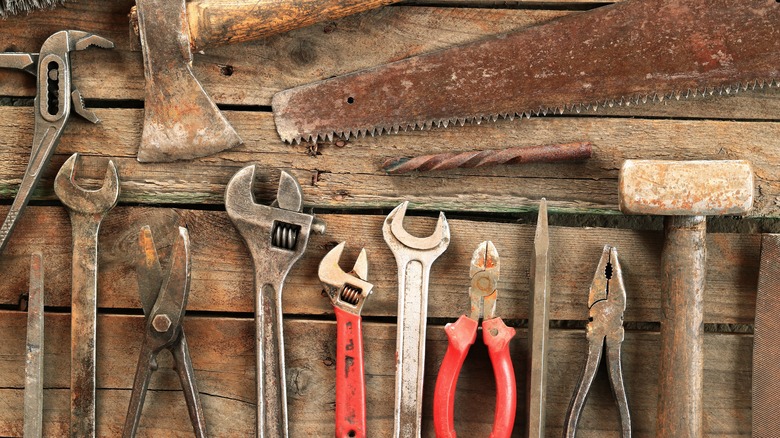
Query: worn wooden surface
point(345, 179)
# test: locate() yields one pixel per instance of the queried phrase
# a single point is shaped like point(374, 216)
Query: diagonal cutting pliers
point(607, 302)
point(164, 300)
point(462, 334)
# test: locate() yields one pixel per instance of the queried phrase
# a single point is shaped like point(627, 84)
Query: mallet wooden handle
point(219, 22)
point(683, 261)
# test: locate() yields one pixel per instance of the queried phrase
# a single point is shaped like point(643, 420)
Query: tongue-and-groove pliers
point(462, 334)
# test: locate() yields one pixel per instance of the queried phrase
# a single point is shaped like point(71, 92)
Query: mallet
point(686, 191)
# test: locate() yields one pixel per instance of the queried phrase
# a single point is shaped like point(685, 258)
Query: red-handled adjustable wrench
point(462, 334)
point(348, 291)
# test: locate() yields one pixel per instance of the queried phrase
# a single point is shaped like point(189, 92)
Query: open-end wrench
point(87, 209)
point(52, 106)
point(414, 257)
point(348, 292)
point(276, 236)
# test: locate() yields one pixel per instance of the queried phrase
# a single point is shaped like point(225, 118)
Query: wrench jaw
point(398, 239)
point(287, 232)
point(82, 200)
point(347, 291)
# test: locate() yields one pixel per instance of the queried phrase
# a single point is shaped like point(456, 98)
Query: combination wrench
point(414, 257)
point(86, 208)
point(276, 236)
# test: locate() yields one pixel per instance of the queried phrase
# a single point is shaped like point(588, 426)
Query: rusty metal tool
point(348, 292)
point(538, 326)
point(483, 293)
point(164, 302)
point(180, 120)
point(606, 304)
point(629, 52)
point(276, 236)
point(86, 208)
point(414, 257)
point(766, 348)
point(552, 153)
point(685, 192)
point(52, 106)
point(33, 374)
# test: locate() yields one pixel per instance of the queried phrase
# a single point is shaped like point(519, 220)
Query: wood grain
point(349, 177)
point(222, 270)
point(223, 360)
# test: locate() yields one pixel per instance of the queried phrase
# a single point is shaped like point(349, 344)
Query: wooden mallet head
point(686, 188)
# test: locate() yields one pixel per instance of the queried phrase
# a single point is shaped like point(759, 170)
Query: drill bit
point(13, 7)
point(468, 160)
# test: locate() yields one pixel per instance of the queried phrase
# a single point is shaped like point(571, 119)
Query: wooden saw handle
point(219, 22)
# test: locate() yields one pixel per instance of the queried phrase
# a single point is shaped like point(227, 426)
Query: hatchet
point(180, 120)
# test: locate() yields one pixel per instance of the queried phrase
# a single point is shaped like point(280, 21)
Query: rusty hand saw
point(629, 52)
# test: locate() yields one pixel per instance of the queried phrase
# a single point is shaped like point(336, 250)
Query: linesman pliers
point(462, 334)
point(607, 302)
point(164, 300)
point(348, 292)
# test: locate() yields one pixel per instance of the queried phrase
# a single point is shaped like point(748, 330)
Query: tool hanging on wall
point(53, 101)
point(538, 326)
point(348, 292)
point(86, 209)
point(606, 304)
point(629, 52)
point(180, 120)
point(276, 236)
point(766, 347)
point(467, 160)
point(164, 301)
point(33, 371)
point(461, 334)
point(414, 257)
point(685, 192)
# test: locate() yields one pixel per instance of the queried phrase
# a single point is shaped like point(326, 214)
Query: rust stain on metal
point(629, 52)
point(518, 155)
point(686, 187)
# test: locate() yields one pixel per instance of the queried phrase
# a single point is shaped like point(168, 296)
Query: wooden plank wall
point(344, 185)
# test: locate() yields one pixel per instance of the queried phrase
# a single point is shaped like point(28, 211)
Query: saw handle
point(461, 334)
point(214, 23)
point(350, 382)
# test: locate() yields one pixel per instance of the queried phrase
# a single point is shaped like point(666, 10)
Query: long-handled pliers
point(462, 334)
point(607, 302)
point(164, 300)
point(348, 292)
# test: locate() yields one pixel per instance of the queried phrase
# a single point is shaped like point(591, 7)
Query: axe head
point(180, 120)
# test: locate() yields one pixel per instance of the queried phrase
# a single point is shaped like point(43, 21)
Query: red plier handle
point(350, 383)
point(462, 335)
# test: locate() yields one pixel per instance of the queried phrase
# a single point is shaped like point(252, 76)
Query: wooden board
point(223, 358)
point(222, 268)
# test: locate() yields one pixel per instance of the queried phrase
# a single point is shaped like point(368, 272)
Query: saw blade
point(766, 341)
point(629, 52)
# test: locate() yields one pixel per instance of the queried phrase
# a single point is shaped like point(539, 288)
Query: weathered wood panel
point(249, 74)
point(222, 269)
point(350, 177)
point(223, 358)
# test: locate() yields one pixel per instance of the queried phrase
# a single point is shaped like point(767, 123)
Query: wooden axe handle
point(219, 22)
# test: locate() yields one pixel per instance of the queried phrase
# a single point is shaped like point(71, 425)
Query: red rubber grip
point(350, 381)
point(462, 334)
point(496, 336)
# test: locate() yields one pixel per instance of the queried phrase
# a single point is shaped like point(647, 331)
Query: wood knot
point(303, 53)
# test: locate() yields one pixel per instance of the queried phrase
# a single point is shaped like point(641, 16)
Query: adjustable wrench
point(87, 209)
point(276, 236)
point(414, 257)
point(348, 292)
point(52, 106)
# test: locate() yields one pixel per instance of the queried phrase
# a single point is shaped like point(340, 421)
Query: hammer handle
point(219, 22)
point(680, 403)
